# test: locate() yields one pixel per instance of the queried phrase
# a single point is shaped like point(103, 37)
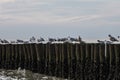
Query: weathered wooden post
point(28, 58)
point(16, 57)
point(40, 56)
point(33, 57)
point(63, 59)
point(78, 62)
point(53, 59)
point(37, 56)
point(83, 61)
point(102, 53)
point(73, 60)
point(117, 66)
point(7, 63)
point(25, 56)
point(96, 61)
point(58, 70)
point(12, 57)
point(20, 55)
point(47, 58)
point(111, 62)
point(102, 61)
point(88, 61)
point(56, 59)
point(0, 56)
point(68, 61)
point(44, 58)
point(3, 56)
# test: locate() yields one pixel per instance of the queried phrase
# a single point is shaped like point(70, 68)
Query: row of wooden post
point(68, 60)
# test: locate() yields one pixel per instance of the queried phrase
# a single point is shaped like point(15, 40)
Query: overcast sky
point(91, 19)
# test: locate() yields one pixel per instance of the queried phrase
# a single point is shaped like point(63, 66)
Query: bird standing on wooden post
point(79, 39)
point(40, 39)
point(113, 39)
point(32, 39)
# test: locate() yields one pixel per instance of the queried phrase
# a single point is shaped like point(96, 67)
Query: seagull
point(118, 38)
point(20, 41)
point(72, 39)
point(32, 39)
point(52, 39)
point(101, 42)
point(5, 41)
point(40, 40)
point(1, 41)
point(113, 39)
point(12, 42)
point(62, 39)
point(79, 39)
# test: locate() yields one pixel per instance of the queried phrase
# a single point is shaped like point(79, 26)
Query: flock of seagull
point(111, 40)
point(42, 40)
point(58, 40)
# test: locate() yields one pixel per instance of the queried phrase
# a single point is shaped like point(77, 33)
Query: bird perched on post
point(103, 42)
point(113, 39)
point(118, 37)
point(5, 41)
point(80, 40)
point(32, 39)
point(40, 39)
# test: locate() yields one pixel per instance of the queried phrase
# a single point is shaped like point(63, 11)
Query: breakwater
point(86, 61)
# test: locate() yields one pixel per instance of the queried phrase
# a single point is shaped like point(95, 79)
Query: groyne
point(87, 61)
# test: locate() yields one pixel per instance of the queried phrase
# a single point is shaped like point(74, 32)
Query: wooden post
point(78, 63)
point(96, 61)
point(34, 54)
point(63, 48)
point(47, 58)
point(28, 58)
point(32, 57)
point(60, 60)
point(117, 52)
point(83, 61)
point(102, 54)
point(3, 56)
point(37, 57)
point(19, 55)
point(88, 61)
point(44, 58)
point(7, 56)
point(68, 61)
point(112, 55)
point(73, 60)
point(56, 61)
point(111, 62)
point(0, 56)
